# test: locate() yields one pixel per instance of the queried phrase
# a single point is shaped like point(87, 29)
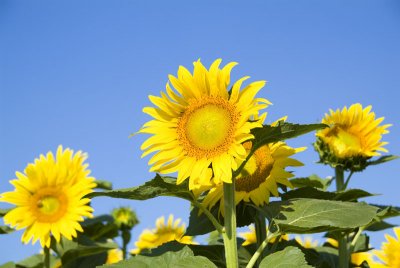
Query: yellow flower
point(162, 234)
point(114, 256)
point(251, 238)
point(49, 197)
point(390, 252)
point(308, 242)
point(260, 176)
point(198, 128)
point(353, 133)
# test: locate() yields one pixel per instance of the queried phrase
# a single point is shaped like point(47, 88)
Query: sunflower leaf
point(103, 184)
point(282, 131)
point(159, 186)
point(290, 257)
point(9, 264)
point(6, 230)
point(310, 192)
point(180, 259)
point(314, 215)
point(383, 159)
point(312, 181)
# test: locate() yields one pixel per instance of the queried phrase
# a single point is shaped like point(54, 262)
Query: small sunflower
point(114, 256)
point(125, 217)
point(162, 234)
point(198, 128)
point(50, 197)
point(308, 241)
point(250, 237)
point(353, 137)
point(261, 174)
point(390, 252)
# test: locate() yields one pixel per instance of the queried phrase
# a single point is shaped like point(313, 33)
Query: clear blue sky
point(78, 73)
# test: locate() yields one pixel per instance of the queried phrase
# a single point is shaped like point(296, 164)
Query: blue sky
point(78, 73)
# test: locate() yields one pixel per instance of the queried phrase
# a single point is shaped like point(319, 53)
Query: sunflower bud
point(125, 217)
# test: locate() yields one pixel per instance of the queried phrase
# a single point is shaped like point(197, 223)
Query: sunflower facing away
point(390, 252)
point(260, 175)
point(49, 197)
point(163, 233)
point(353, 133)
point(199, 125)
point(250, 237)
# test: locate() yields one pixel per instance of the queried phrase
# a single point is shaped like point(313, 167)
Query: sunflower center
point(49, 204)
point(207, 127)
point(345, 142)
point(256, 170)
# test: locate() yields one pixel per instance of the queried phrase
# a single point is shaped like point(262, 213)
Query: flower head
point(250, 237)
point(50, 197)
point(163, 233)
point(353, 137)
point(260, 176)
point(125, 216)
point(390, 251)
point(198, 128)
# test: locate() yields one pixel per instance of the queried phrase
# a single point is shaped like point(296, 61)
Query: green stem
point(229, 235)
point(355, 238)
point(126, 237)
point(348, 179)
point(260, 249)
point(46, 257)
point(261, 233)
point(209, 215)
point(343, 250)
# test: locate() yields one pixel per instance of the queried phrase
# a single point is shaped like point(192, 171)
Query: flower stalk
point(343, 250)
point(229, 234)
point(46, 254)
point(261, 233)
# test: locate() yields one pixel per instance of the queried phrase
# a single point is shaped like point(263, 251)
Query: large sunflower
point(49, 197)
point(390, 252)
point(163, 233)
point(198, 128)
point(261, 174)
point(353, 133)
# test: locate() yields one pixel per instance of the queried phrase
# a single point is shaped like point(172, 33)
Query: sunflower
point(251, 238)
point(162, 234)
point(50, 197)
point(354, 135)
point(390, 252)
point(260, 176)
point(198, 128)
point(308, 241)
point(114, 256)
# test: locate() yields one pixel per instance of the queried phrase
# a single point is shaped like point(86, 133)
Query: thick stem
point(229, 235)
point(261, 233)
point(46, 257)
point(343, 250)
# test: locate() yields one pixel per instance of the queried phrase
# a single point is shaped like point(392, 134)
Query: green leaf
point(379, 226)
point(8, 265)
point(282, 131)
point(311, 181)
point(159, 186)
point(383, 159)
point(35, 261)
point(314, 215)
point(100, 228)
point(6, 230)
point(181, 259)
point(290, 257)
point(103, 184)
point(309, 192)
point(362, 244)
point(84, 250)
point(4, 211)
point(328, 257)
